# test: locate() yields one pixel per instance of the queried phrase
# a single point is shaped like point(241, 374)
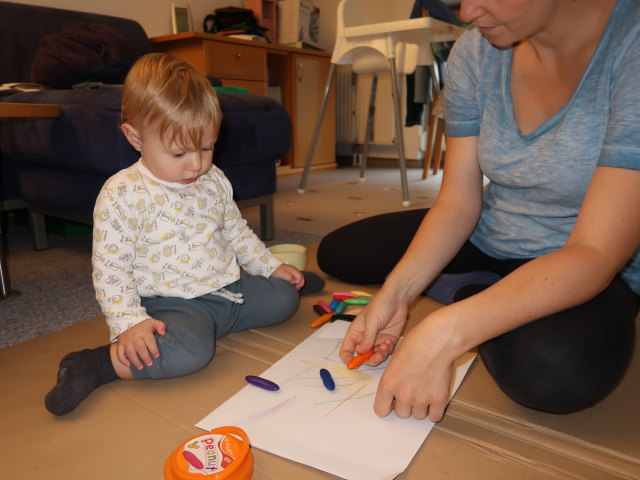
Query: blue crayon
point(334, 303)
point(262, 383)
point(327, 379)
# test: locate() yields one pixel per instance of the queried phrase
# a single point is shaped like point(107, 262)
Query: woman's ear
point(132, 135)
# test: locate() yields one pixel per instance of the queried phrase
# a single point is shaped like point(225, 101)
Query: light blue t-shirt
point(538, 181)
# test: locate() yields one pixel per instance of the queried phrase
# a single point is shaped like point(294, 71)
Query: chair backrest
point(369, 57)
point(352, 13)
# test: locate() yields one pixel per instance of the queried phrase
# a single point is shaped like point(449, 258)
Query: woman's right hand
point(378, 326)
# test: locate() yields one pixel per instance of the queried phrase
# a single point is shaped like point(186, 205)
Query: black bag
point(233, 19)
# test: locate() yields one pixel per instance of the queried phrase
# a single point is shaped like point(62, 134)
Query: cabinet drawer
point(235, 61)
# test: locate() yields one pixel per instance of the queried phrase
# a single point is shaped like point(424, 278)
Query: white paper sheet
point(337, 431)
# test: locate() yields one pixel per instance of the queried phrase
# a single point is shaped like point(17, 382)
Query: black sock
point(313, 283)
point(79, 374)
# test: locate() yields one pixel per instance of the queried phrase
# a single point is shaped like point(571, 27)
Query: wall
point(153, 15)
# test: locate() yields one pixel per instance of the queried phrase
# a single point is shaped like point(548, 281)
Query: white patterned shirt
point(157, 238)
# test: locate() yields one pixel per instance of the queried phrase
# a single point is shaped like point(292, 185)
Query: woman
point(542, 97)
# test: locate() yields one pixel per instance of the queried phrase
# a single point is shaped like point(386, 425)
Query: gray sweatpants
point(192, 325)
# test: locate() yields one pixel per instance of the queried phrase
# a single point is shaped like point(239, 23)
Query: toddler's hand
point(291, 274)
point(138, 345)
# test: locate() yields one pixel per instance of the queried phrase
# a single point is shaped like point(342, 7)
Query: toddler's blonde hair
point(169, 95)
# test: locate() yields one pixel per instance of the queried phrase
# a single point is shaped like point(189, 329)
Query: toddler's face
point(172, 163)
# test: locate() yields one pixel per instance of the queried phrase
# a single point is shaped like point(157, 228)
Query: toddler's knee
point(182, 355)
point(285, 300)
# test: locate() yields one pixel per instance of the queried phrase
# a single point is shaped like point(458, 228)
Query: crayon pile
point(339, 302)
point(328, 313)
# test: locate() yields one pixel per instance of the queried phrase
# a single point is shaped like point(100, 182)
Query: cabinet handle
point(238, 55)
point(300, 71)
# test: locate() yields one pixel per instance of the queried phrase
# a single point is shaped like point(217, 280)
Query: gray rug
point(54, 285)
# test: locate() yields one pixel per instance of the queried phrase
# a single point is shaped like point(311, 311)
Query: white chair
point(397, 45)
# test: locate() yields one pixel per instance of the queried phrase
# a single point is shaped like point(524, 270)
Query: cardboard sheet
point(126, 430)
point(334, 431)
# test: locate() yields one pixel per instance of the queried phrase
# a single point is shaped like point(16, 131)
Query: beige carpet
point(335, 198)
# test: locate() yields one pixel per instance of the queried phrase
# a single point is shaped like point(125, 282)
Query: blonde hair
point(169, 95)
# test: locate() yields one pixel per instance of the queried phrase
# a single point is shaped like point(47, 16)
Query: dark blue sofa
point(57, 166)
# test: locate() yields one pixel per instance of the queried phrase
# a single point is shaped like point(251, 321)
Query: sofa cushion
point(85, 52)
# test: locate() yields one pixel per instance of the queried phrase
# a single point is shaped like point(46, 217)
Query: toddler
point(169, 243)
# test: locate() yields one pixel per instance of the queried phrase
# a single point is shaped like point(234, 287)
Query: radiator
point(353, 94)
point(345, 86)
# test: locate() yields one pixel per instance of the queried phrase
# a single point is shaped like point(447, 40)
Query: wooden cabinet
point(309, 85)
point(295, 76)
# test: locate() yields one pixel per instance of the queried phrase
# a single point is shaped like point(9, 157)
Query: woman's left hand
point(417, 380)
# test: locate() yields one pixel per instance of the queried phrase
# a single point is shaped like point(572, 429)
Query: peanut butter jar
point(222, 454)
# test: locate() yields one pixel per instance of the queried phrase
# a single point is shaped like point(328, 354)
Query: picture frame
point(181, 17)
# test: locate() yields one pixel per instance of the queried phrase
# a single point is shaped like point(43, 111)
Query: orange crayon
point(321, 320)
point(360, 359)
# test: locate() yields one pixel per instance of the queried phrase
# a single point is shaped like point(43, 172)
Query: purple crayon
point(262, 383)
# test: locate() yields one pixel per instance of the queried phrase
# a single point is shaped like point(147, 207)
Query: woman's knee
point(365, 251)
point(563, 363)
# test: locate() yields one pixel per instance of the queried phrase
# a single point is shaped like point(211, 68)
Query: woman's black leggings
point(562, 363)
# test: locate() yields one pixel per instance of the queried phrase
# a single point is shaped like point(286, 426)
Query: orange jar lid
point(222, 454)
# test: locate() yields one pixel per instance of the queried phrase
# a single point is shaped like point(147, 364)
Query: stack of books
point(298, 23)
